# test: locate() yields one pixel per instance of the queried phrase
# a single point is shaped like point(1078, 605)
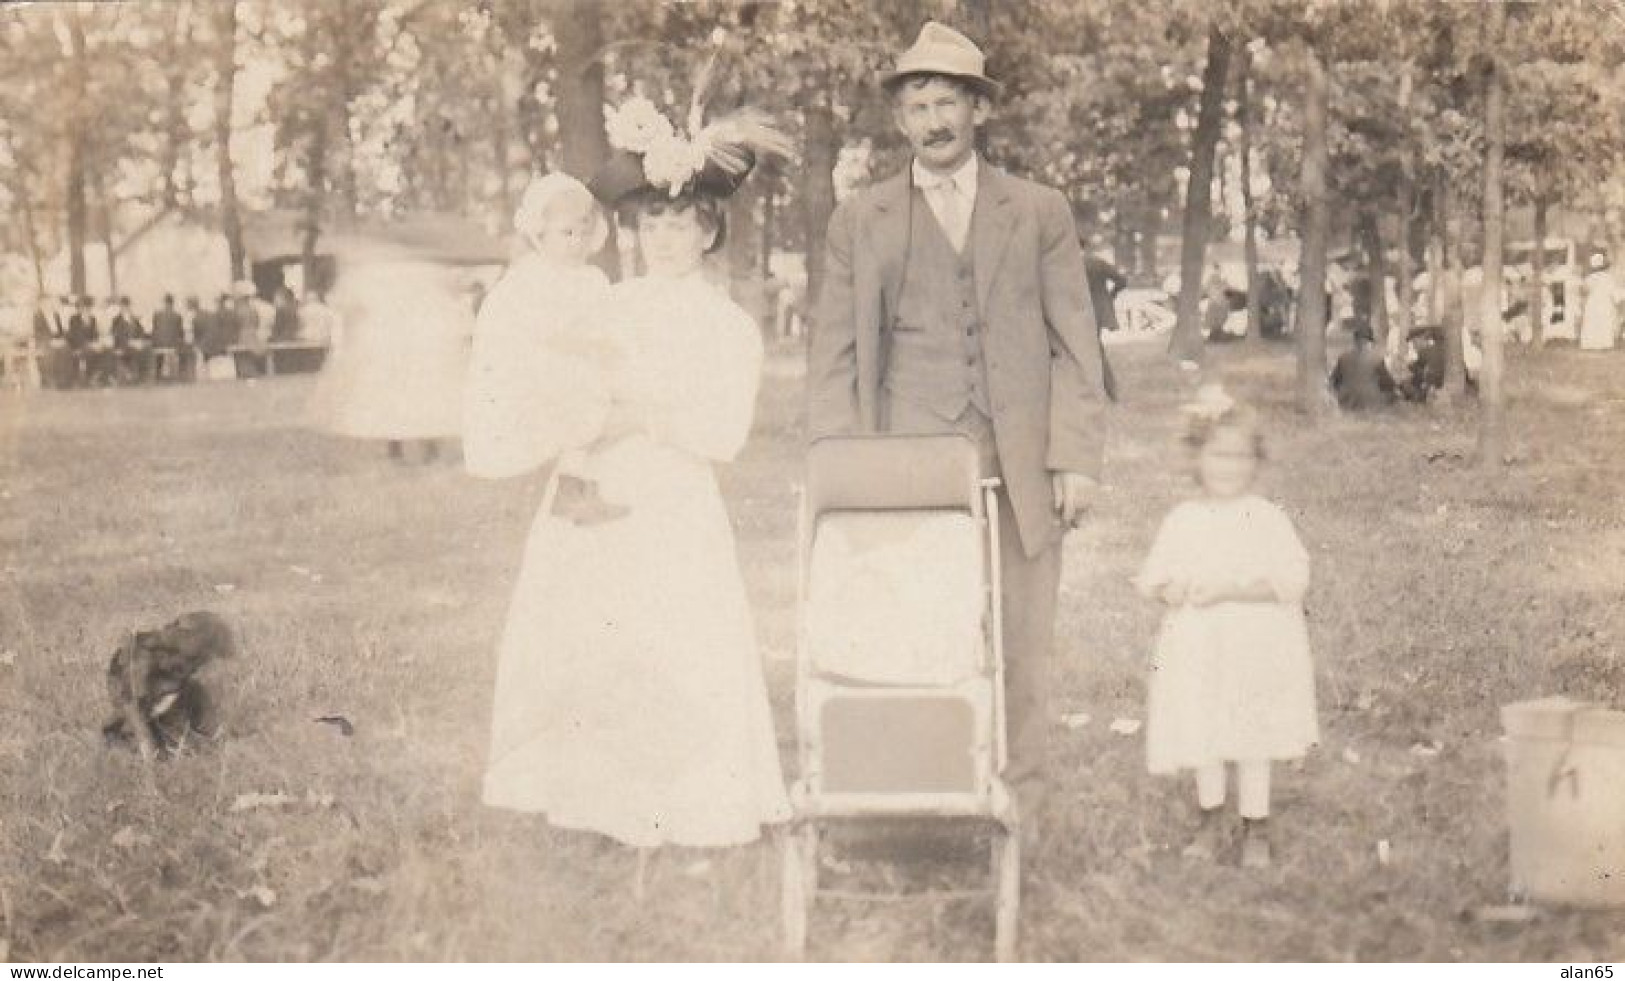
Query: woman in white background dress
point(398, 372)
point(1599, 323)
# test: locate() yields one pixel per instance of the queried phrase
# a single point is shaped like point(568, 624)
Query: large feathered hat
point(649, 152)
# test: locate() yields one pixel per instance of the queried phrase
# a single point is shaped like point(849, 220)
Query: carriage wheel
point(799, 868)
point(1007, 898)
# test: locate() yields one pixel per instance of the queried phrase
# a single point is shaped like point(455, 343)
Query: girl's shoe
point(1209, 838)
point(1255, 846)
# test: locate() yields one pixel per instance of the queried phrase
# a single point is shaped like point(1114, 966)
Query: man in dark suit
point(168, 338)
point(1105, 282)
point(129, 344)
point(955, 299)
point(84, 343)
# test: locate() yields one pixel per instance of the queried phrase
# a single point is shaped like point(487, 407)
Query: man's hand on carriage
point(1074, 493)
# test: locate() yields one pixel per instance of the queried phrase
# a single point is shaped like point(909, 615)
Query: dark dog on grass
point(157, 701)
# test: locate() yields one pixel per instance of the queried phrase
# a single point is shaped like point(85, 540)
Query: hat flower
point(636, 125)
point(672, 162)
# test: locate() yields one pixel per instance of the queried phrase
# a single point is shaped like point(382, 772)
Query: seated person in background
point(199, 325)
point(216, 334)
point(285, 318)
point(252, 331)
point(84, 342)
point(168, 338)
point(51, 347)
point(129, 344)
point(1360, 378)
point(318, 322)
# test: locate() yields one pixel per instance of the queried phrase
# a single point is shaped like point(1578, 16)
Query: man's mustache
point(938, 136)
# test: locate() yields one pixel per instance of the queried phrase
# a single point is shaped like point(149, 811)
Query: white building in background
point(172, 254)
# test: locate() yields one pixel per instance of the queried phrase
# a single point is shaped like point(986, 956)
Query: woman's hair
point(653, 201)
point(1214, 409)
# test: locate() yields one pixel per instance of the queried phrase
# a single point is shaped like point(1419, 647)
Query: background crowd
point(77, 343)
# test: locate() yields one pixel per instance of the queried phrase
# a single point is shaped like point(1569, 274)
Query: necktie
point(943, 194)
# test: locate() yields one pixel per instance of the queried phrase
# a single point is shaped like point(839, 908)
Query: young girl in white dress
point(1231, 677)
point(630, 699)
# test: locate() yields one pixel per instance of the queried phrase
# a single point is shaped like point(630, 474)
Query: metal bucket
point(1566, 801)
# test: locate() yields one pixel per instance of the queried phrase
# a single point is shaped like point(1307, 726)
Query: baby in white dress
point(543, 367)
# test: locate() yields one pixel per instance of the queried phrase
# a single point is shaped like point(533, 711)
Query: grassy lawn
point(376, 591)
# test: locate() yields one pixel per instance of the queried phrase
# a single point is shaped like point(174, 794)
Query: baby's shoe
point(1209, 838)
point(1255, 845)
point(578, 501)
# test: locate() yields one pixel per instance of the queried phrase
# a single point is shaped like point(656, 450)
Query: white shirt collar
point(964, 178)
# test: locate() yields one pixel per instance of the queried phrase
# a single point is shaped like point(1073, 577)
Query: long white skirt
point(630, 698)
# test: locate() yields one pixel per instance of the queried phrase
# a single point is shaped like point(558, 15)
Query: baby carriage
point(899, 667)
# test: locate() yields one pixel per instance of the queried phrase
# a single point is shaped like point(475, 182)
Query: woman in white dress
point(630, 699)
point(397, 375)
point(1599, 322)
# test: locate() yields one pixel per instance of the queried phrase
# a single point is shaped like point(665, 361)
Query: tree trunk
point(770, 209)
point(1492, 428)
point(1255, 297)
point(78, 151)
point(579, 33)
point(177, 134)
point(1436, 252)
point(500, 130)
point(748, 290)
point(1186, 342)
point(1376, 275)
point(818, 185)
point(1151, 225)
point(1537, 269)
point(225, 83)
point(315, 199)
point(1404, 272)
point(105, 211)
point(30, 231)
point(1453, 299)
point(1312, 395)
point(341, 139)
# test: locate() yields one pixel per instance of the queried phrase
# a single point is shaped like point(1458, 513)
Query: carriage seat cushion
point(896, 597)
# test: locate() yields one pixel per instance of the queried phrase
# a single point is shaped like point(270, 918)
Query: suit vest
point(935, 358)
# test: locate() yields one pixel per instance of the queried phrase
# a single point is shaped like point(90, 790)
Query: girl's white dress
point(1230, 681)
point(528, 401)
point(630, 698)
point(1599, 323)
point(398, 373)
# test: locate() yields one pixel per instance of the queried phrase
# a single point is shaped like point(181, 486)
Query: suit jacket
point(1045, 374)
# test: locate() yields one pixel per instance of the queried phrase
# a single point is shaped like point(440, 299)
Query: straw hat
point(941, 50)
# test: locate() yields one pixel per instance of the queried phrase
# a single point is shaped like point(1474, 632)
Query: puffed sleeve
point(1162, 563)
point(1288, 559)
point(711, 392)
